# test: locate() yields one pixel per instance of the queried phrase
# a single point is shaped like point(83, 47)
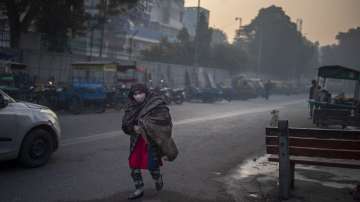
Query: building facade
point(191, 17)
point(126, 35)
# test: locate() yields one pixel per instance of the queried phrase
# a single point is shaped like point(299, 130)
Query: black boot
point(159, 184)
point(138, 193)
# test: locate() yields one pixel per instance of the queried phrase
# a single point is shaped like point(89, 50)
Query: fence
point(44, 65)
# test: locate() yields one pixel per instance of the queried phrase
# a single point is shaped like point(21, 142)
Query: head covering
point(137, 87)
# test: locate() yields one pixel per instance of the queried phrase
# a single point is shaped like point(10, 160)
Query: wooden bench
point(319, 147)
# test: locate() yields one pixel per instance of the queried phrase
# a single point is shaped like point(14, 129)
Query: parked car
point(245, 88)
point(206, 95)
point(29, 133)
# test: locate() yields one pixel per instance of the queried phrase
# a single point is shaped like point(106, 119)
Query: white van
point(29, 133)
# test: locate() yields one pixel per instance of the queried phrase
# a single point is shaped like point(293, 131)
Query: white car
point(29, 133)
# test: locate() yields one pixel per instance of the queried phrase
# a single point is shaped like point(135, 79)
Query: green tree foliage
point(346, 52)
point(59, 20)
point(224, 56)
point(202, 40)
point(279, 48)
point(228, 56)
point(21, 15)
point(46, 14)
point(184, 48)
point(218, 37)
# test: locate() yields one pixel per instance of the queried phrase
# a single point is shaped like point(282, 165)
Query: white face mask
point(139, 97)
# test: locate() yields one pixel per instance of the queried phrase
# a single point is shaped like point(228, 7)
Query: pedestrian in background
point(267, 87)
point(312, 95)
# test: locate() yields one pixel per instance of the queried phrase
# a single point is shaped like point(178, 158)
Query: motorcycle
point(176, 96)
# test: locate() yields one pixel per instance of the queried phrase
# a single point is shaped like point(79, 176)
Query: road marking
point(116, 133)
point(90, 138)
point(233, 114)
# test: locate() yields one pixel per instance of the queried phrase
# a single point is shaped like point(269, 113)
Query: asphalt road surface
point(91, 164)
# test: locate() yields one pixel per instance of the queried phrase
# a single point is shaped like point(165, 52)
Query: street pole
point(196, 43)
point(103, 27)
point(259, 54)
point(238, 34)
point(131, 47)
point(91, 43)
point(131, 42)
point(240, 22)
point(196, 55)
point(92, 27)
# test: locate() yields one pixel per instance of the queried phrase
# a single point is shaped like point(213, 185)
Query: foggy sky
point(322, 19)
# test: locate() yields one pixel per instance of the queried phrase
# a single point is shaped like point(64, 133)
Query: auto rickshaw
point(14, 80)
point(339, 111)
point(105, 83)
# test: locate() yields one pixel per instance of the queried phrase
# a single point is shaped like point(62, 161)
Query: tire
point(75, 106)
point(36, 149)
point(179, 100)
point(208, 100)
point(168, 100)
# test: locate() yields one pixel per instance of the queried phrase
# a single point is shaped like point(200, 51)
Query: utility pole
point(196, 54)
point(238, 32)
point(240, 22)
point(103, 26)
point(261, 38)
point(296, 74)
point(92, 25)
point(299, 23)
point(131, 44)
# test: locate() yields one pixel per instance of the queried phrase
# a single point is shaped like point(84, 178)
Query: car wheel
point(36, 149)
point(179, 100)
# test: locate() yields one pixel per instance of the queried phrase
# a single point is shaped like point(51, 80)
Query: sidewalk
point(256, 179)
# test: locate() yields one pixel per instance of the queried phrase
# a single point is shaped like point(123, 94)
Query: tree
point(69, 19)
point(162, 52)
point(203, 40)
point(183, 36)
point(329, 55)
point(349, 47)
point(185, 48)
point(22, 14)
point(228, 56)
point(218, 37)
point(222, 56)
point(179, 52)
point(345, 52)
point(279, 48)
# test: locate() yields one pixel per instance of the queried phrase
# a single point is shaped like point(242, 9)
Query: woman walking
point(148, 123)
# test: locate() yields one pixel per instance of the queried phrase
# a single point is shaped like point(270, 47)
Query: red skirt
point(143, 156)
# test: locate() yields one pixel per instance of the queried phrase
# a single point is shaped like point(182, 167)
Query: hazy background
point(322, 19)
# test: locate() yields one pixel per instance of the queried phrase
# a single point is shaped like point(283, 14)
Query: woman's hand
point(137, 129)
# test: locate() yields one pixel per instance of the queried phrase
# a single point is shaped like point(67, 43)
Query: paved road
point(91, 164)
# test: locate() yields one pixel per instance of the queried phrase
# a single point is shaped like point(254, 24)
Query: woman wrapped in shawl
point(148, 123)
